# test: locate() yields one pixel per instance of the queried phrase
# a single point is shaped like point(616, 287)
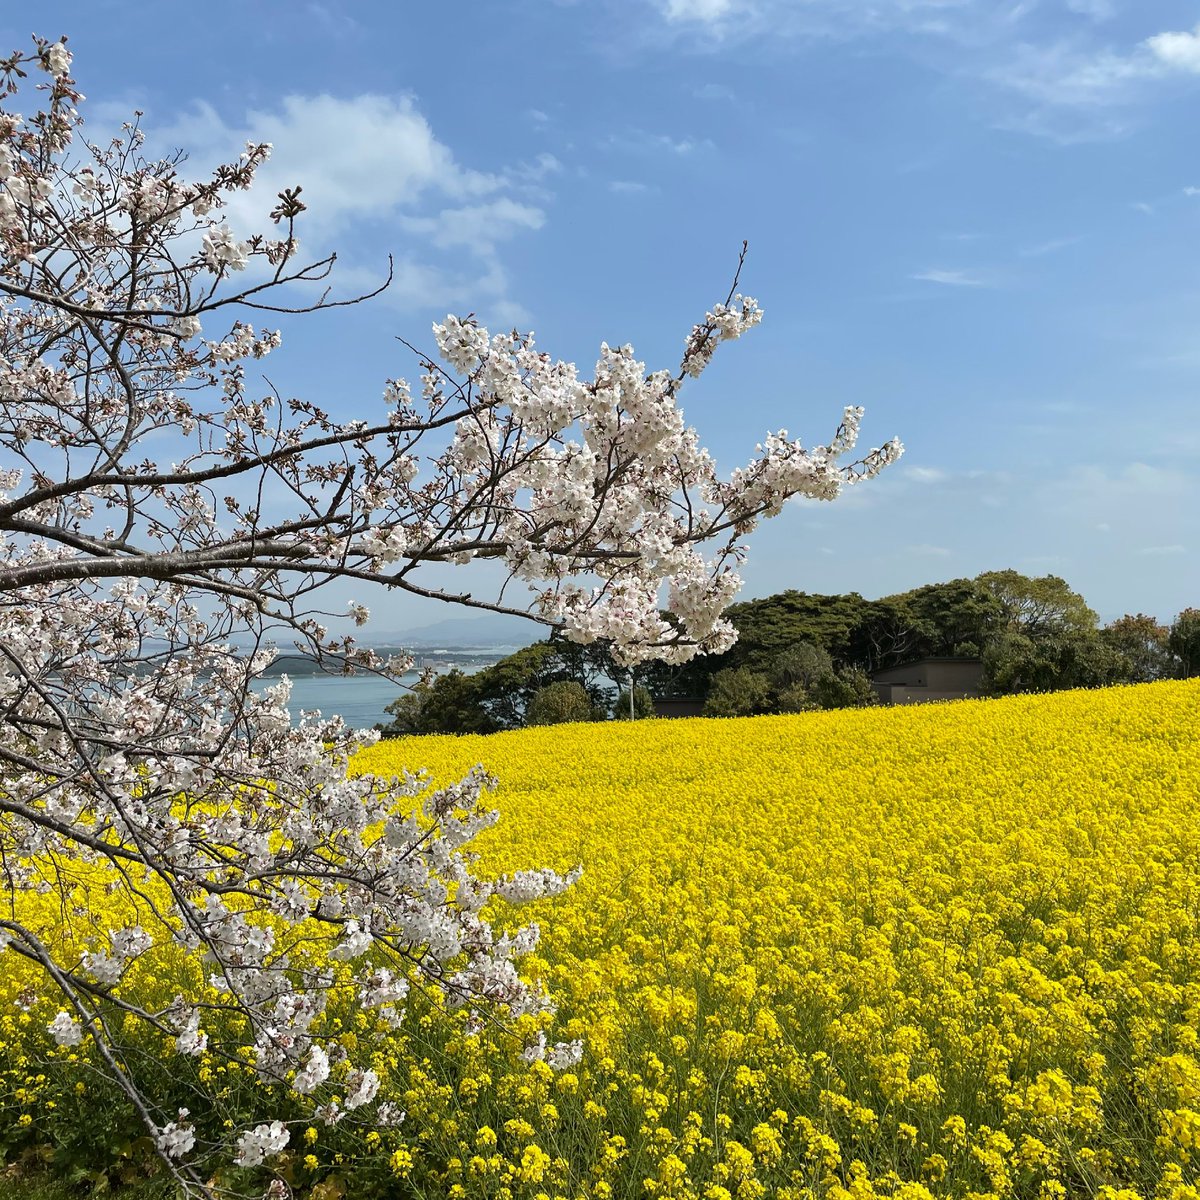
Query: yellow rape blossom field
point(935, 951)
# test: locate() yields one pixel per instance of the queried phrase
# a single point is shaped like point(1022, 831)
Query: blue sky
point(981, 221)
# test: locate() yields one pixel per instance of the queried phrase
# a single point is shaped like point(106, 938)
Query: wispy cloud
point(949, 278)
point(1067, 75)
point(478, 286)
point(1050, 247)
point(642, 141)
point(927, 474)
point(479, 227)
point(629, 187)
point(1073, 75)
point(714, 91)
point(736, 19)
point(332, 19)
point(1174, 548)
point(1098, 10)
point(703, 11)
point(374, 159)
point(1067, 85)
point(531, 176)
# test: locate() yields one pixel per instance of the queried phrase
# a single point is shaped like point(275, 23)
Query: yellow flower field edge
point(937, 951)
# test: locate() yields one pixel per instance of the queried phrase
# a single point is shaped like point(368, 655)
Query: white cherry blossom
point(261, 1143)
point(167, 523)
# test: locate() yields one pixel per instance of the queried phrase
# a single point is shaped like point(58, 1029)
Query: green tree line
point(798, 651)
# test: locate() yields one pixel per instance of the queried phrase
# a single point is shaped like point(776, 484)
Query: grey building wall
point(928, 679)
point(679, 706)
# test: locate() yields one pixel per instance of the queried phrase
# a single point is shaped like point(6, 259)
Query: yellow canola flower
point(943, 951)
point(948, 938)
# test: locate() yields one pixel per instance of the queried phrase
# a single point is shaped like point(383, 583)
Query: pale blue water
point(358, 699)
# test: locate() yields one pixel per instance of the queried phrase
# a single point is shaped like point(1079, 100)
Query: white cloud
point(714, 91)
point(836, 18)
point(478, 287)
point(1098, 10)
point(1049, 247)
point(366, 157)
point(541, 168)
point(949, 278)
point(1174, 548)
point(1134, 480)
point(641, 141)
point(1041, 515)
point(703, 11)
point(1178, 51)
point(477, 226)
point(628, 187)
point(1057, 66)
point(926, 474)
point(333, 20)
point(376, 159)
point(1065, 74)
point(1066, 128)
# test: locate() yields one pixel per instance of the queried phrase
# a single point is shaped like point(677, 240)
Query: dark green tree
point(558, 703)
point(449, 703)
point(766, 629)
point(498, 697)
point(1184, 642)
point(1142, 644)
point(848, 687)
point(505, 688)
point(802, 665)
point(806, 678)
point(886, 634)
point(1057, 659)
point(954, 618)
point(738, 692)
point(643, 704)
point(1034, 607)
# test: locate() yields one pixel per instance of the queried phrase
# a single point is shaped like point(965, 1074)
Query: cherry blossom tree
point(141, 597)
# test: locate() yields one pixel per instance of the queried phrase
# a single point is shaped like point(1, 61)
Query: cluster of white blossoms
point(176, 1138)
point(727, 321)
point(261, 1142)
point(142, 600)
point(126, 945)
point(604, 480)
point(57, 59)
point(222, 249)
point(65, 1030)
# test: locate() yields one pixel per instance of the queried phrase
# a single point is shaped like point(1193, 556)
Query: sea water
point(360, 699)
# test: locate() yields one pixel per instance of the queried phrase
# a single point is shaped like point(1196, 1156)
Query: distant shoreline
point(439, 660)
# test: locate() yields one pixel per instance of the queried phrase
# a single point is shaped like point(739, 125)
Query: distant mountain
point(490, 631)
